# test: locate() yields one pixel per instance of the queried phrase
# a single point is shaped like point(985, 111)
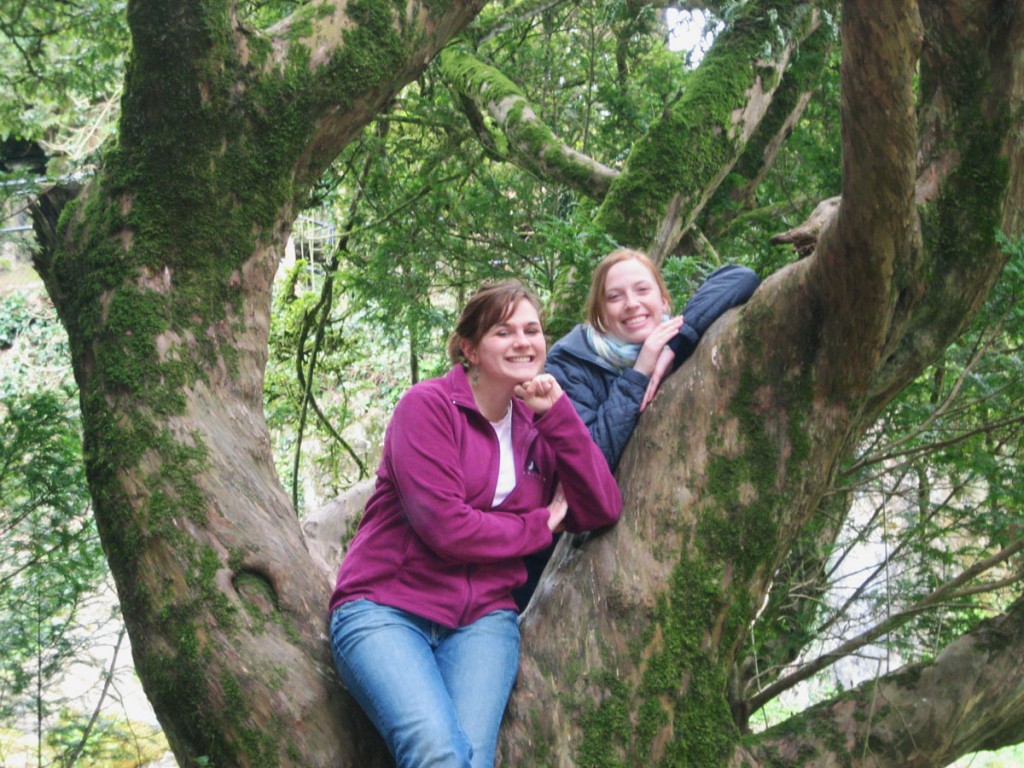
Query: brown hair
point(595, 301)
point(491, 304)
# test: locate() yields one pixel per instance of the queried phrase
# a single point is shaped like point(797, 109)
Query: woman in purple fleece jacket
point(479, 469)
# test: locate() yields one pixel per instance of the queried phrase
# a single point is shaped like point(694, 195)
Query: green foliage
point(806, 171)
point(107, 742)
point(414, 218)
point(356, 381)
point(61, 66)
point(52, 563)
point(950, 448)
point(55, 605)
point(55, 57)
point(33, 345)
point(421, 215)
point(598, 72)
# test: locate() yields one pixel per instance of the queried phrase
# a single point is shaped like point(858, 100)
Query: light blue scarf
point(621, 354)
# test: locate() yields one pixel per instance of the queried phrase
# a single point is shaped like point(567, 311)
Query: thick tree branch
point(936, 597)
point(531, 144)
point(663, 190)
point(362, 70)
point(45, 211)
point(800, 82)
point(971, 161)
point(970, 698)
point(168, 326)
point(871, 252)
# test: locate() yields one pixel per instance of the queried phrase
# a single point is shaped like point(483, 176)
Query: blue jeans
point(436, 695)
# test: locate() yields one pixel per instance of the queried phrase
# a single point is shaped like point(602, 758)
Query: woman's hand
point(558, 508)
point(650, 352)
point(539, 393)
point(661, 368)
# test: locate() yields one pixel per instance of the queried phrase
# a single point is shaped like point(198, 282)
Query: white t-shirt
point(506, 461)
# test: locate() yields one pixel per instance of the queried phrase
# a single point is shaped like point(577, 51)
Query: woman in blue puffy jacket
point(612, 365)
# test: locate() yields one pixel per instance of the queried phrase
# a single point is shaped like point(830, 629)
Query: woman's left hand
point(539, 393)
point(558, 509)
point(661, 368)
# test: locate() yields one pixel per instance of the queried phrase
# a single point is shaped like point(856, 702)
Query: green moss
point(605, 725)
point(964, 221)
point(302, 23)
point(260, 49)
point(534, 140)
point(680, 671)
point(234, 697)
point(474, 77)
point(651, 718)
point(178, 681)
point(543, 742)
point(247, 582)
point(680, 685)
point(260, 747)
point(204, 583)
point(278, 678)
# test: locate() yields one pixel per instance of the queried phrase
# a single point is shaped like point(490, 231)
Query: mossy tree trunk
point(161, 270)
point(734, 458)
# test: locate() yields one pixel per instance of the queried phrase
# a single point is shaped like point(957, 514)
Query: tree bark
point(969, 698)
point(799, 83)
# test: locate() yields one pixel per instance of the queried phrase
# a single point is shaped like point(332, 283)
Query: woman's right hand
point(647, 360)
point(539, 393)
point(558, 508)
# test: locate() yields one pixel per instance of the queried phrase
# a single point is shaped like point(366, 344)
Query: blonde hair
point(595, 301)
point(491, 304)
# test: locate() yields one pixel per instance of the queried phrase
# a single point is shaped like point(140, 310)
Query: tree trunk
point(161, 271)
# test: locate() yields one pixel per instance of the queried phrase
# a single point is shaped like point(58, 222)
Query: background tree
point(161, 269)
point(59, 685)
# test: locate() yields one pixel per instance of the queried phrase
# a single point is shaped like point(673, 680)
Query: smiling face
point(632, 301)
point(511, 351)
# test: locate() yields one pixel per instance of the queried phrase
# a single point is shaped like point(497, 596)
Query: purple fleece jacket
point(429, 541)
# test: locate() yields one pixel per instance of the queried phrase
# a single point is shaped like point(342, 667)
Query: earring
point(474, 375)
